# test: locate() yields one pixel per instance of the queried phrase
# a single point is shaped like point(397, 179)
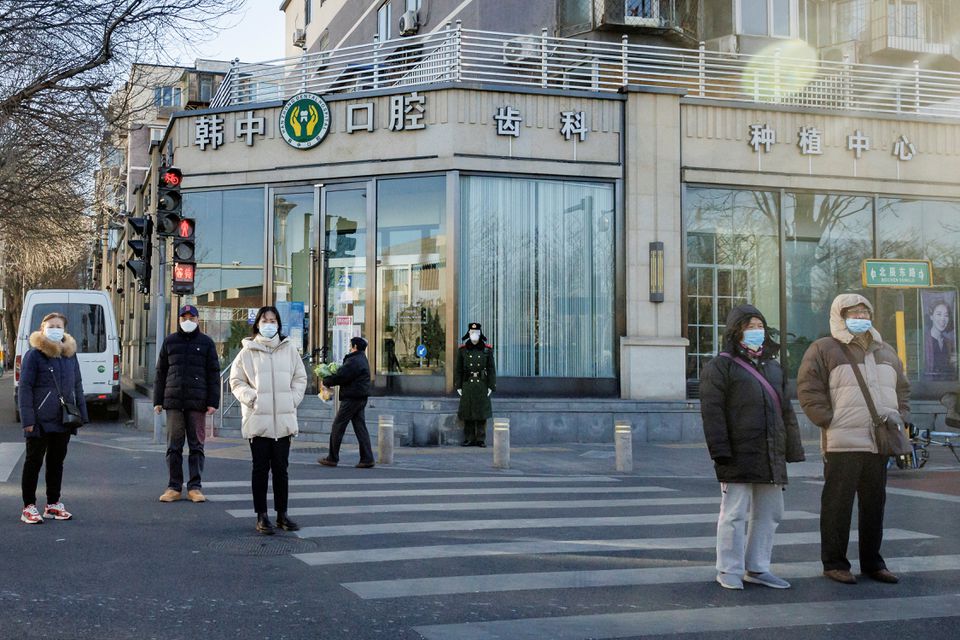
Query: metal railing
point(455, 54)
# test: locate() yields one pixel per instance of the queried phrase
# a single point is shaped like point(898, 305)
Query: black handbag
point(888, 430)
point(69, 413)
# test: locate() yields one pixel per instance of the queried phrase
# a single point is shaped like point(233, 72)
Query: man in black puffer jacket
point(353, 378)
point(188, 387)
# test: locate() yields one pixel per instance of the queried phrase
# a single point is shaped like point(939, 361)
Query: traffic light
point(184, 251)
point(169, 201)
point(183, 277)
point(142, 249)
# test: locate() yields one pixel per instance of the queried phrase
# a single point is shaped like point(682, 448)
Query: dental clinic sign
point(304, 121)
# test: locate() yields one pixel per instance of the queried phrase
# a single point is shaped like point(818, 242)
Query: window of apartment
point(903, 18)
point(206, 88)
point(307, 11)
point(773, 18)
point(166, 96)
point(642, 8)
point(849, 20)
point(384, 21)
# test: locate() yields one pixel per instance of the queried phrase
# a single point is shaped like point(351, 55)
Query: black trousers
point(53, 447)
point(351, 410)
point(189, 426)
point(475, 430)
point(846, 475)
point(270, 456)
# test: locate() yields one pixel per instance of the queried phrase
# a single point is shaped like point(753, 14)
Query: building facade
point(598, 206)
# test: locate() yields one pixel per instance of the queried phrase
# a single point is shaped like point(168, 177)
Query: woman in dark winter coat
point(751, 432)
point(50, 369)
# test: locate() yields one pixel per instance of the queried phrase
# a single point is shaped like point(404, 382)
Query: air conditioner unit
point(299, 38)
point(520, 51)
point(408, 23)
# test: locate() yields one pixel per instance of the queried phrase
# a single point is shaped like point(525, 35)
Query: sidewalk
point(689, 460)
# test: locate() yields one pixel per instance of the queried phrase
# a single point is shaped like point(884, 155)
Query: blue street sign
point(421, 351)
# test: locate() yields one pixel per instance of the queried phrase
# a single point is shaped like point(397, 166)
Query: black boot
point(285, 523)
point(263, 525)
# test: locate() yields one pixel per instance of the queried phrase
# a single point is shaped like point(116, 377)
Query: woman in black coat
point(50, 368)
point(752, 433)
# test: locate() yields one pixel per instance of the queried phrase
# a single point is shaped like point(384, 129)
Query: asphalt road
point(440, 546)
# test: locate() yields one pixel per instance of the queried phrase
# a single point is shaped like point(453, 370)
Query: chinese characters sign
point(897, 273)
point(810, 141)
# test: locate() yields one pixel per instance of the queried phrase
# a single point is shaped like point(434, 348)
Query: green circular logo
point(304, 120)
point(101, 369)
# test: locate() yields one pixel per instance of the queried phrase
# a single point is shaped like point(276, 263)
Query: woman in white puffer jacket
point(268, 379)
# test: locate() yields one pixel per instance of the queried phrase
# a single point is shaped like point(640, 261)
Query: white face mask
point(268, 329)
point(53, 333)
point(188, 325)
point(474, 336)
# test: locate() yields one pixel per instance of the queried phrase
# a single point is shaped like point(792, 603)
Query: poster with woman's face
point(939, 334)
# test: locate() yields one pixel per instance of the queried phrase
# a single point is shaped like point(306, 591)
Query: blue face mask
point(54, 334)
point(858, 325)
point(753, 338)
point(268, 329)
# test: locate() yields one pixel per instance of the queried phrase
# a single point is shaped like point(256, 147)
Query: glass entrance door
point(345, 213)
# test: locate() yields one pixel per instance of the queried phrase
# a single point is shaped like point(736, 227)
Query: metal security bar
point(455, 54)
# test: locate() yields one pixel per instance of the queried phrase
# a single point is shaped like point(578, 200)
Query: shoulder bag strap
point(759, 376)
point(56, 383)
point(863, 385)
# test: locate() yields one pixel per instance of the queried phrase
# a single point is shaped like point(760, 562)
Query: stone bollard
point(623, 439)
point(385, 440)
point(501, 443)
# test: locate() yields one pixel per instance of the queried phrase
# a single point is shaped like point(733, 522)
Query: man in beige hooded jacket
point(833, 400)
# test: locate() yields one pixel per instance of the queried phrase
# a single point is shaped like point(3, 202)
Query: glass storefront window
point(293, 229)
point(826, 238)
point(918, 230)
point(345, 237)
point(230, 258)
point(732, 258)
point(411, 276)
point(537, 271)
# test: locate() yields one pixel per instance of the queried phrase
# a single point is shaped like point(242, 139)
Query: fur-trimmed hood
point(52, 349)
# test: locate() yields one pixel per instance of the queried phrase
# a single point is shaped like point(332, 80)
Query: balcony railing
point(456, 55)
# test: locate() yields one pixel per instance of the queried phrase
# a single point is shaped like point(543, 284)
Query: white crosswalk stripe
point(712, 619)
point(10, 454)
point(372, 523)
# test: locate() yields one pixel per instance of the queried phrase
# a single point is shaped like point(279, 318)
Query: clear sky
point(255, 35)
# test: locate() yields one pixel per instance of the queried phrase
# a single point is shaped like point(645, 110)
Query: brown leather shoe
point(195, 495)
point(170, 495)
point(364, 465)
point(883, 575)
point(840, 575)
point(327, 462)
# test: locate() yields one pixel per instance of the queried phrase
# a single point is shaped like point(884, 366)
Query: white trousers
point(749, 516)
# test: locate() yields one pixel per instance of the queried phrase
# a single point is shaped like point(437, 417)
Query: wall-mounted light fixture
point(656, 272)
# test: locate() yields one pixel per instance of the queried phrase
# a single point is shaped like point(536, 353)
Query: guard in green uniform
point(475, 378)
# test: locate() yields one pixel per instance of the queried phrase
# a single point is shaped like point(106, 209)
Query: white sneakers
point(767, 579)
point(31, 515)
point(56, 512)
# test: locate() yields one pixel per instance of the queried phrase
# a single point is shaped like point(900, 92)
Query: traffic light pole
point(160, 306)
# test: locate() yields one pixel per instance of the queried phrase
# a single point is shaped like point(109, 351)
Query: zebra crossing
point(422, 538)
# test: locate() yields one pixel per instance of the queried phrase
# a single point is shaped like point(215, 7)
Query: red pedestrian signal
point(183, 277)
point(169, 201)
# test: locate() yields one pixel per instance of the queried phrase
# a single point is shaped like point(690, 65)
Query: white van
point(91, 322)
